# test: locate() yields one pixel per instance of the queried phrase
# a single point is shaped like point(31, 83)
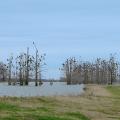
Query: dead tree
point(36, 65)
point(23, 64)
point(38, 61)
point(113, 66)
point(41, 65)
point(3, 71)
point(20, 63)
point(27, 67)
point(9, 67)
point(69, 69)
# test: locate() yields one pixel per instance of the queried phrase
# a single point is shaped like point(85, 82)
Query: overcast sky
point(60, 28)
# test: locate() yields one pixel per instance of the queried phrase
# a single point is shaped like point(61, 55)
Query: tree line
point(23, 68)
point(26, 67)
point(100, 71)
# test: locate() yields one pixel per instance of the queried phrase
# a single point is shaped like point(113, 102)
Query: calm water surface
point(58, 88)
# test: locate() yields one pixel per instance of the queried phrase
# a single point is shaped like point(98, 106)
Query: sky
point(61, 29)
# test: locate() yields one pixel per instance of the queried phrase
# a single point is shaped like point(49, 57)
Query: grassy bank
point(115, 90)
point(98, 103)
point(36, 109)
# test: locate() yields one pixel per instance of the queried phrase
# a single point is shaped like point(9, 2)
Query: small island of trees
point(23, 68)
point(100, 71)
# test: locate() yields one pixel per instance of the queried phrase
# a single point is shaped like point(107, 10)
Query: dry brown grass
point(97, 103)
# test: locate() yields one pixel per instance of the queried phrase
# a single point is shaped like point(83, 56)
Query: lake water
point(58, 88)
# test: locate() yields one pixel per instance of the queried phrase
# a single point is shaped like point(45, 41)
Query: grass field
point(98, 103)
point(115, 90)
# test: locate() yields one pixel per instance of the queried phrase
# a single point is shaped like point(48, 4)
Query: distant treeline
point(100, 71)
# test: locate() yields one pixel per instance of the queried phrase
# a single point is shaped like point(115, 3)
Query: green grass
point(5, 106)
point(78, 116)
point(41, 109)
point(115, 110)
point(115, 90)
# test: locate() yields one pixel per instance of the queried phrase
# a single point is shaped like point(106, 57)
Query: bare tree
point(38, 66)
point(10, 65)
point(3, 71)
point(69, 68)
